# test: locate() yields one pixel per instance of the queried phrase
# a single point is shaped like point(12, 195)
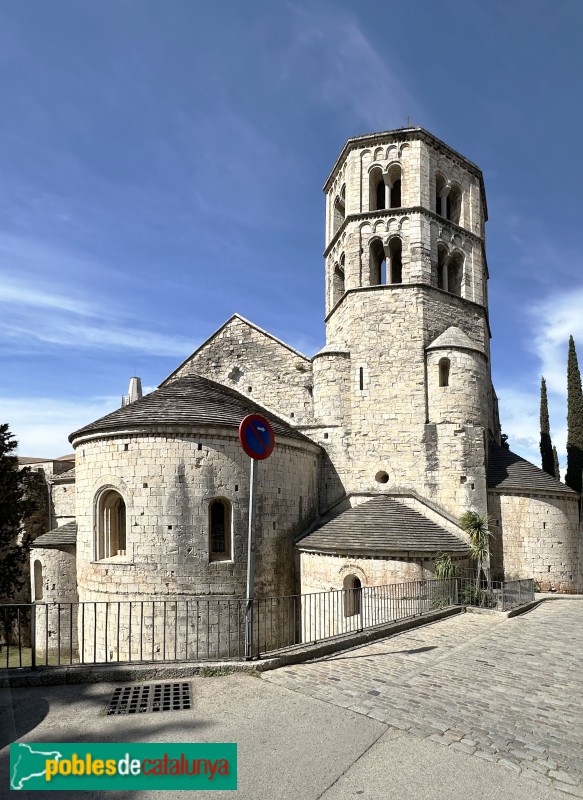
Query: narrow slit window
point(361, 378)
point(220, 547)
point(444, 365)
point(38, 581)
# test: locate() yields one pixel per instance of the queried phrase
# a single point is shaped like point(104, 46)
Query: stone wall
point(63, 502)
point(254, 363)
point(392, 588)
point(167, 482)
point(54, 591)
point(540, 538)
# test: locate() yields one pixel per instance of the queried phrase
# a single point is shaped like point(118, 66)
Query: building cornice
point(407, 135)
point(396, 212)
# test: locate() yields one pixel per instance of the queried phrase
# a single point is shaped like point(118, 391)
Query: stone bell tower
point(404, 382)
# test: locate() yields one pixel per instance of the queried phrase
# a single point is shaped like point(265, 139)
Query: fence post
point(33, 636)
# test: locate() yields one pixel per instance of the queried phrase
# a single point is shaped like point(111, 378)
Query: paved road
point(508, 691)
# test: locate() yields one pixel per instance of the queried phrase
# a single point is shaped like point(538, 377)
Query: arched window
point(395, 259)
point(339, 210)
point(338, 281)
point(455, 271)
point(378, 263)
point(454, 204)
point(377, 195)
point(110, 525)
point(38, 581)
point(352, 595)
point(220, 538)
point(394, 176)
point(441, 268)
point(439, 194)
point(444, 372)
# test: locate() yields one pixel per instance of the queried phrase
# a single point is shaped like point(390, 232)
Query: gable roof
point(65, 534)
point(507, 470)
point(222, 328)
point(187, 402)
point(381, 526)
point(454, 337)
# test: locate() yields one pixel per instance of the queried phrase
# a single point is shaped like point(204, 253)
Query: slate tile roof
point(185, 402)
point(506, 470)
point(68, 475)
point(66, 534)
point(381, 526)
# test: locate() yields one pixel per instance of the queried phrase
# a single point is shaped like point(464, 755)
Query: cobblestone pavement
point(504, 690)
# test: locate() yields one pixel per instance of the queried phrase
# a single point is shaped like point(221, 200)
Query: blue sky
point(160, 161)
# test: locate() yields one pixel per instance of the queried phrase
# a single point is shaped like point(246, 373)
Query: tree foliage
point(477, 526)
point(15, 507)
point(546, 445)
point(574, 474)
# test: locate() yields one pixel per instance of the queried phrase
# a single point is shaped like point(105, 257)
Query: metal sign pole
point(249, 599)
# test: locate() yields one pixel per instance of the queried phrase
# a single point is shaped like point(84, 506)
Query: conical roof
point(454, 338)
point(187, 402)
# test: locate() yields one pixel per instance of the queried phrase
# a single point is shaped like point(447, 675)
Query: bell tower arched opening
point(378, 263)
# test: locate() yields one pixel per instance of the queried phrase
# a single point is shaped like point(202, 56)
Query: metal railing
point(480, 592)
point(211, 629)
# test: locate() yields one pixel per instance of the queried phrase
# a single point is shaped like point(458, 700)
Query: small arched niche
point(352, 595)
point(377, 191)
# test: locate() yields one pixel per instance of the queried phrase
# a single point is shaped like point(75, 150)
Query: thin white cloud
point(31, 312)
point(41, 425)
point(14, 293)
point(554, 319)
point(345, 70)
point(93, 337)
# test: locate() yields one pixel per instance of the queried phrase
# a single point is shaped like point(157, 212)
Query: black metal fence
point(52, 634)
point(478, 591)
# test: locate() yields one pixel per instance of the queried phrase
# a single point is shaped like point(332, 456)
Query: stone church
point(383, 438)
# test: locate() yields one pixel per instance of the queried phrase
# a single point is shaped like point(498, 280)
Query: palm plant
point(444, 567)
point(477, 526)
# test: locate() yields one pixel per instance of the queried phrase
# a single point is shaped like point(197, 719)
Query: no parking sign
point(256, 437)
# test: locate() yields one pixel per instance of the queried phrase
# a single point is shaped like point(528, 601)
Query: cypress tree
point(15, 508)
point(574, 474)
point(546, 445)
point(556, 463)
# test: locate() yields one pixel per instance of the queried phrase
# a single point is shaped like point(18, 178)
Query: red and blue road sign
point(256, 437)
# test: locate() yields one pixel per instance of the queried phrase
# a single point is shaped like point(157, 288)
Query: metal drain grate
point(150, 697)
